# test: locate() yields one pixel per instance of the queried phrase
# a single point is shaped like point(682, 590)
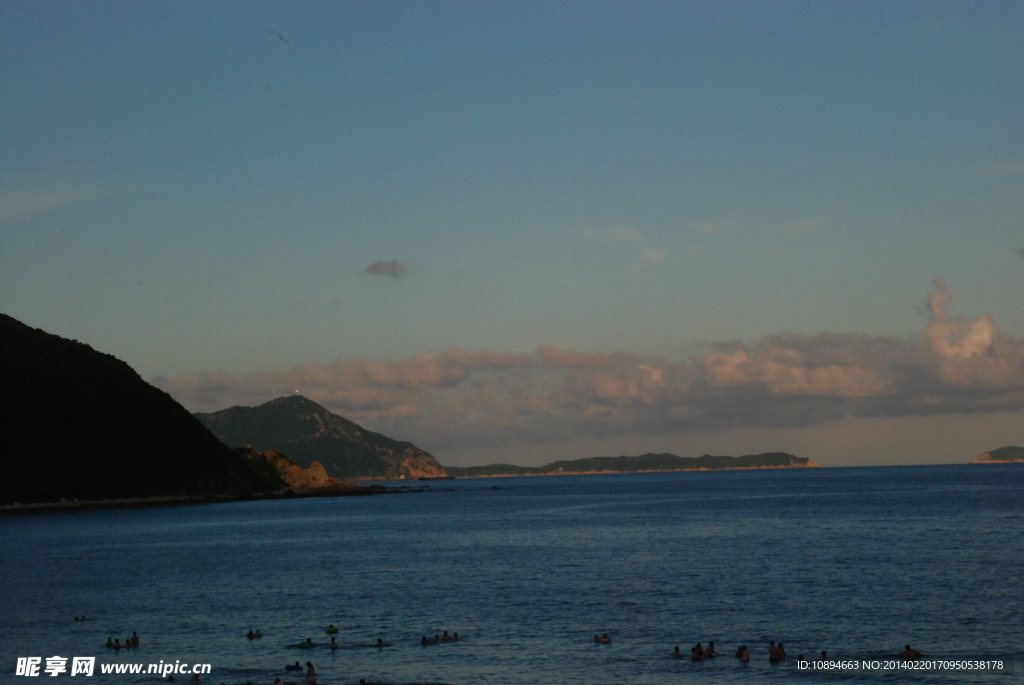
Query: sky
point(528, 231)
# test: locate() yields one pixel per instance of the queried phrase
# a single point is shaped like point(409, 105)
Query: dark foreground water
point(858, 562)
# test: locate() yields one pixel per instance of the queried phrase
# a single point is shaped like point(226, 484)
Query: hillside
point(80, 424)
point(1003, 455)
point(308, 432)
point(644, 462)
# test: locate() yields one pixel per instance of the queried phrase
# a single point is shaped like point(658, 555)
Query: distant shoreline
point(808, 465)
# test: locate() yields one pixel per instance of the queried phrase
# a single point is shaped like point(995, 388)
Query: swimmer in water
point(455, 637)
point(710, 651)
point(110, 643)
point(424, 641)
point(909, 653)
point(824, 655)
point(697, 653)
point(773, 652)
point(445, 637)
point(310, 674)
point(676, 653)
point(380, 642)
point(334, 643)
point(135, 639)
point(782, 651)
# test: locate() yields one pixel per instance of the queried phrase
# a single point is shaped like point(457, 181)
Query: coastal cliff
point(639, 464)
point(1003, 455)
point(308, 432)
point(313, 480)
point(82, 425)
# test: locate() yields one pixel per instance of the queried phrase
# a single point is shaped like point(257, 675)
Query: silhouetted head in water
point(824, 654)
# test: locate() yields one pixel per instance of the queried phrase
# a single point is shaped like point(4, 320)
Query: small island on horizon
point(1003, 455)
point(644, 463)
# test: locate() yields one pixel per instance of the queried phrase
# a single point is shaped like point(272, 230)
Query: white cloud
point(456, 399)
point(618, 233)
point(715, 227)
point(650, 255)
point(17, 206)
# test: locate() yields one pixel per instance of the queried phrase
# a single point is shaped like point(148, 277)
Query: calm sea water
point(858, 562)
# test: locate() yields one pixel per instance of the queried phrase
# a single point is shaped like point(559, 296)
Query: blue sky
point(200, 189)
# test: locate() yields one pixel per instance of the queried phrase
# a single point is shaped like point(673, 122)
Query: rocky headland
point(639, 464)
point(1003, 455)
point(310, 433)
point(310, 481)
point(81, 426)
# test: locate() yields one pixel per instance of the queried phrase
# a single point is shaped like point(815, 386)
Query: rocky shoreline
point(173, 501)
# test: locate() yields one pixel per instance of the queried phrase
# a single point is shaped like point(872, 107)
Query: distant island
point(643, 463)
point(310, 433)
point(1003, 455)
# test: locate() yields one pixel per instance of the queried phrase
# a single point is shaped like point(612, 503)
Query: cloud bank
point(455, 399)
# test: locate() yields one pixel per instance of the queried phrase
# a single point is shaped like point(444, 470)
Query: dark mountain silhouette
point(644, 462)
point(308, 432)
point(80, 424)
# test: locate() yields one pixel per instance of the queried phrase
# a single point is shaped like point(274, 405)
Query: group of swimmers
point(438, 639)
point(776, 653)
point(128, 643)
point(310, 673)
point(309, 644)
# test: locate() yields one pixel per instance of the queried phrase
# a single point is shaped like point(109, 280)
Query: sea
point(857, 562)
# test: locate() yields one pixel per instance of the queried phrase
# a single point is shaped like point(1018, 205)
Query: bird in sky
point(278, 34)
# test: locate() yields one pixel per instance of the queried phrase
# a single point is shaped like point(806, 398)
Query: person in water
point(742, 653)
point(782, 651)
point(455, 637)
point(310, 674)
point(258, 634)
point(697, 653)
point(110, 644)
point(773, 652)
point(677, 653)
point(135, 639)
point(296, 667)
point(824, 655)
point(424, 640)
point(710, 651)
point(445, 637)
point(334, 643)
point(909, 653)
point(251, 635)
point(380, 642)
